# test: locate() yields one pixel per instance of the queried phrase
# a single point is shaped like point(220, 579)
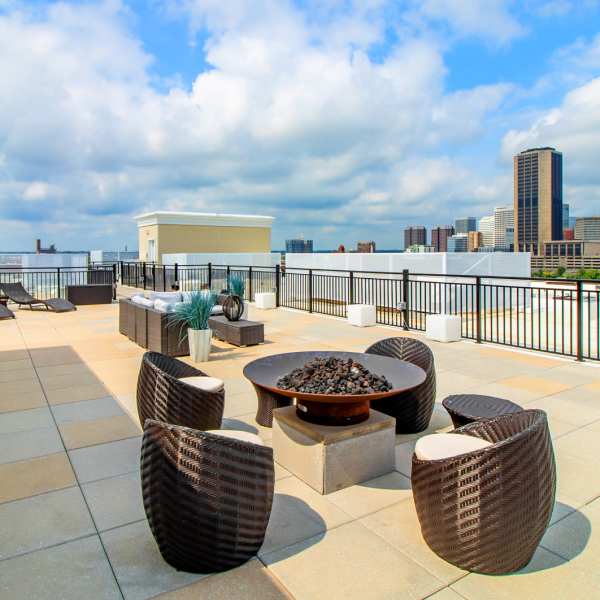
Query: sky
point(346, 120)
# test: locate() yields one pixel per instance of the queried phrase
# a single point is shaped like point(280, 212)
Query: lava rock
point(333, 376)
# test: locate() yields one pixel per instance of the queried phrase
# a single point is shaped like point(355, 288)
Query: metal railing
point(44, 283)
point(560, 317)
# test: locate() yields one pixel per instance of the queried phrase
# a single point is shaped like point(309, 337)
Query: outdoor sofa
point(147, 321)
point(19, 295)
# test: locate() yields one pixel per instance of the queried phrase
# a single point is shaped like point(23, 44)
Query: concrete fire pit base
point(329, 458)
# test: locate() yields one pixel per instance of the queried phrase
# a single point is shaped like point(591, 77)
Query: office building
point(487, 229)
point(366, 247)
point(465, 224)
point(298, 246)
point(587, 228)
point(458, 242)
point(439, 237)
point(538, 201)
point(474, 241)
point(420, 248)
point(571, 254)
point(568, 234)
point(504, 223)
point(415, 236)
point(565, 217)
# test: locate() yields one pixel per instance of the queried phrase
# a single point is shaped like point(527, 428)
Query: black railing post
point(405, 296)
point(144, 274)
point(228, 276)
point(154, 276)
point(58, 282)
point(277, 284)
point(176, 275)
point(114, 281)
point(210, 276)
point(579, 320)
point(478, 309)
point(121, 272)
point(249, 284)
point(164, 278)
point(310, 290)
point(351, 288)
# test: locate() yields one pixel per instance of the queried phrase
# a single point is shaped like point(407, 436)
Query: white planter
point(264, 300)
point(362, 315)
point(443, 328)
point(199, 340)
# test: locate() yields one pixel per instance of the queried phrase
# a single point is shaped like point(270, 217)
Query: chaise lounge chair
point(5, 313)
point(19, 295)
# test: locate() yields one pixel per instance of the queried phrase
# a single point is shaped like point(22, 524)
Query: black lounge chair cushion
point(59, 305)
point(6, 313)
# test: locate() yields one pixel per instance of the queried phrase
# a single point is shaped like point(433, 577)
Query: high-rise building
point(565, 215)
point(365, 247)
point(474, 241)
point(587, 228)
point(487, 228)
point(439, 237)
point(568, 234)
point(458, 242)
point(299, 246)
point(465, 224)
point(415, 236)
point(538, 201)
point(504, 221)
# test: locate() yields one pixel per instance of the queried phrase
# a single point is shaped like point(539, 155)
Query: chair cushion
point(164, 306)
point(243, 436)
point(208, 384)
point(170, 297)
point(217, 309)
point(445, 445)
point(143, 301)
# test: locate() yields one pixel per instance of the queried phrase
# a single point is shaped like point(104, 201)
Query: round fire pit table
point(325, 409)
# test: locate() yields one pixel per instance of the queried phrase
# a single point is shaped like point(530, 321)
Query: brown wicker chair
point(486, 511)
point(207, 498)
point(162, 396)
point(411, 409)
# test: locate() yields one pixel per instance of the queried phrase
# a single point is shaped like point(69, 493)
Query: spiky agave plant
point(195, 313)
point(237, 285)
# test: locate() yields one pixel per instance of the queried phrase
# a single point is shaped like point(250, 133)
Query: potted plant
point(236, 308)
point(194, 314)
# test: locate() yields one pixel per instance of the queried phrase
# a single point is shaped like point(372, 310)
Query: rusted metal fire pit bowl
point(330, 409)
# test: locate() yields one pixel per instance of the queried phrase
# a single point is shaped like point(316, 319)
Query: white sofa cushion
point(170, 297)
point(187, 296)
point(243, 436)
point(208, 384)
point(217, 309)
point(143, 301)
point(166, 307)
point(444, 445)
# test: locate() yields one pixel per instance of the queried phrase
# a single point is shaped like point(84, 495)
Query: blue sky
point(344, 119)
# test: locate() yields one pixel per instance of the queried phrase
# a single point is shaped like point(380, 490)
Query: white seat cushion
point(217, 309)
point(163, 306)
point(208, 384)
point(444, 445)
point(243, 436)
point(142, 301)
point(170, 297)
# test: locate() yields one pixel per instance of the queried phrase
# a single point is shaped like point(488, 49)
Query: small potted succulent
point(194, 314)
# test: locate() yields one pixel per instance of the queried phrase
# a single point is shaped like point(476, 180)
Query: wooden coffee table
point(326, 409)
point(238, 333)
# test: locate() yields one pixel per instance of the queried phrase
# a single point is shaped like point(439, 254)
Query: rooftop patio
point(72, 524)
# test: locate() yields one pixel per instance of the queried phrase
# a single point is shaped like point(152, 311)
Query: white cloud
point(293, 118)
point(574, 129)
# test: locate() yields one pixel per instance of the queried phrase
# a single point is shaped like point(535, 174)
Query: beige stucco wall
point(202, 238)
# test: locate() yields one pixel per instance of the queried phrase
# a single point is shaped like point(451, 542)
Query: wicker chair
point(486, 511)
point(411, 409)
point(207, 498)
point(162, 396)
